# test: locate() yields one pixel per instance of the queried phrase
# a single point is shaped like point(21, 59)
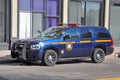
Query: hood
point(32, 40)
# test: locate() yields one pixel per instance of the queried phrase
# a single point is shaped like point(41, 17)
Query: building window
point(25, 24)
point(76, 12)
point(38, 5)
point(85, 12)
point(115, 20)
point(92, 13)
point(52, 6)
point(38, 15)
point(51, 21)
point(5, 16)
point(37, 23)
point(25, 5)
point(2, 21)
point(52, 13)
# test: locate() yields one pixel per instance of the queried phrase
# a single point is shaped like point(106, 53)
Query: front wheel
point(14, 55)
point(50, 58)
point(98, 55)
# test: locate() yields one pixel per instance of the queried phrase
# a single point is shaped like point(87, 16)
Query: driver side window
point(72, 33)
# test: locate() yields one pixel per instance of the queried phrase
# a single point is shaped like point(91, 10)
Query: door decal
point(69, 46)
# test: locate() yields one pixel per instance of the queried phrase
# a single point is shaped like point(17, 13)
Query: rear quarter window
point(103, 35)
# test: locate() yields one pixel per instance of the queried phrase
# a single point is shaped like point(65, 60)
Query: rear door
point(86, 42)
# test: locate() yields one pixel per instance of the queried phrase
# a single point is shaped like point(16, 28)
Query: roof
point(82, 26)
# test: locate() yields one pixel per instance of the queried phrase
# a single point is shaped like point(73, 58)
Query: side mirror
point(66, 37)
point(39, 32)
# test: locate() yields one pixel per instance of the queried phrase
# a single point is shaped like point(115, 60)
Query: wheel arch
point(102, 47)
point(52, 48)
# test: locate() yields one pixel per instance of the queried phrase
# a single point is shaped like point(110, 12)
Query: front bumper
point(25, 53)
point(28, 55)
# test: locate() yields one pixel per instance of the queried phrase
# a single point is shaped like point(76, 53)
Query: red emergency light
point(59, 24)
point(73, 24)
point(70, 24)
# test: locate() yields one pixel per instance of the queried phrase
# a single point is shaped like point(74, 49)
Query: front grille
point(20, 46)
point(24, 52)
point(31, 56)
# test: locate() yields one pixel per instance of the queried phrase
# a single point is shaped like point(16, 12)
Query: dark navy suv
point(63, 42)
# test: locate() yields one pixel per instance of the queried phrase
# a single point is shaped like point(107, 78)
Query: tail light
point(112, 42)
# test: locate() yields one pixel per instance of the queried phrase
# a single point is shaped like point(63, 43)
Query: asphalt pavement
point(69, 70)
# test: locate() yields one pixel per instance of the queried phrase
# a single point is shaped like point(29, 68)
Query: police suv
point(64, 42)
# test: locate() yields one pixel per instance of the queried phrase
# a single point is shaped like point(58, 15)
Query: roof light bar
point(70, 24)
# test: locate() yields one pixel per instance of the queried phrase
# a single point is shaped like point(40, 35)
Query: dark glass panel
point(37, 23)
point(115, 22)
point(115, 1)
point(25, 4)
point(92, 13)
point(52, 7)
point(52, 22)
point(2, 21)
point(38, 5)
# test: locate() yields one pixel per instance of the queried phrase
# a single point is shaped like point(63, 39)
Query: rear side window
point(87, 35)
point(103, 35)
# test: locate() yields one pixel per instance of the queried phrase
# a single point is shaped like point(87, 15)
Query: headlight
point(35, 46)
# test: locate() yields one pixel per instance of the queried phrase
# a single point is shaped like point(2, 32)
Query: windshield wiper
point(48, 36)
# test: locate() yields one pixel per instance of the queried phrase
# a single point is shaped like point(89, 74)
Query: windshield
point(52, 32)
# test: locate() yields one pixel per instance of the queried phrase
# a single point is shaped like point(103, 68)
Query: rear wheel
point(50, 58)
point(98, 55)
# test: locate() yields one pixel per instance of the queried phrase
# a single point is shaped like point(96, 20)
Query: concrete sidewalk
point(115, 54)
point(4, 53)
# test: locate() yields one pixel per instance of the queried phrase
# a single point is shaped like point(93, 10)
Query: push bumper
point(25, 53)
point(27, 56)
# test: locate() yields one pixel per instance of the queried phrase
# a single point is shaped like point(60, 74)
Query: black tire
point(98, 55)
point(13, 55)
point(50, 58)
